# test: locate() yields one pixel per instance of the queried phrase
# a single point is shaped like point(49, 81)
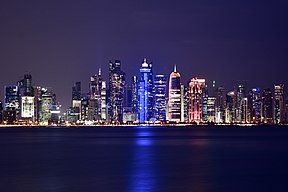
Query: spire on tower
point(175, 68)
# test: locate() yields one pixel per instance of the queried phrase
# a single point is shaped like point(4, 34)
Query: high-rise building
point(134, 88)
point(256, 106)
point(267, 106)
point(128, 115)
point(84, 107)
point(279, 106)
point(12, 104)
point(146, 93)
point(26, 92)
point(160, 84)
point(211, 115)
point(220, 104)
point(195, 104)
point(47, 101)
point(231, 104)
point(25, 86)
point(97, 99)
point(185, 103)
point(240, 108)
point(103, 105)
point(76, 102)
point(37, 103)
point(174, 97)
point(205, 103)
point(27, 107)
point(116, 92)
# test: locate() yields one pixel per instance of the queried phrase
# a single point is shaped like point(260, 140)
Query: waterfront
point(137, 159)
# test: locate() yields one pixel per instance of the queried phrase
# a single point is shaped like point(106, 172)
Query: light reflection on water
point(143, 170)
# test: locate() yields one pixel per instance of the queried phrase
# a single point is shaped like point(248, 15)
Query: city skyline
point(224, 41)
point(149, 98)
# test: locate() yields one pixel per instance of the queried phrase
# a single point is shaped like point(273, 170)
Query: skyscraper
point(160, 84)
point(256, 105)
point(195, 96)
point(76, 92)
point(12, 104)
point(134, 88)
point(231, 104)
point(97, 98)
point(279, 106)
point(76, 101)
point(116, 91)
point(146, 93)
point(220, 104)
point(26, 92)
point(47, 101)
point(240, 108)
point(267, 106)
point(174, 97)
point(211, 109)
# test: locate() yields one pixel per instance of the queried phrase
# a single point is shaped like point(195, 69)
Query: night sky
point(64, 41)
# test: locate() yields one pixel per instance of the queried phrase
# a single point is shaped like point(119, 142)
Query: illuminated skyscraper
point(116, 91)
point(76, 92)
point(27, 107)
point(76, 101)
point(37, 103)
point(174, 97)
point(240, 108)
point(12, 103)
point(146, 93)
point(267, 106)
point(279, 106)
point(256, 106)
point(47, 101)
point(220, 104)
point(211, 109)
point(97, 99)
point(135, 96)
point(195, 96)
point(231, 103)
point(160, 84)
point(84, 107)
point(26, 93)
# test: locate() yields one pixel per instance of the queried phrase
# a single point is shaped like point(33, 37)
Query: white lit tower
point(175, 97)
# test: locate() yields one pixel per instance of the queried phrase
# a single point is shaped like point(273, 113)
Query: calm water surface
point(197, 159)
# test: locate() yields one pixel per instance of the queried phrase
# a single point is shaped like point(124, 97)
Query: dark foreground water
point(144, 159)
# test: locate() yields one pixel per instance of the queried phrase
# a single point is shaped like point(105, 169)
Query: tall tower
point(76, 100)
point(135, 96)
point(12, 103)
point(240, 104)
point(220, 104)
point(231, 104)
point(267, 106)
point(256, 105)
point(195, 96)
point(116, 91)
point(279, 108)
point(175, 97)
point(160, 98)
point(94, 111)
point(146, 93)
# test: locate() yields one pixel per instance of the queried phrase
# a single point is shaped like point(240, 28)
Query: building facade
point(146, 93)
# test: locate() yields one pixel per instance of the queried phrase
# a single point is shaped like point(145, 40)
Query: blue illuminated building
point(146, 93)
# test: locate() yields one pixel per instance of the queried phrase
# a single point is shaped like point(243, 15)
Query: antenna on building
point(175, 68)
